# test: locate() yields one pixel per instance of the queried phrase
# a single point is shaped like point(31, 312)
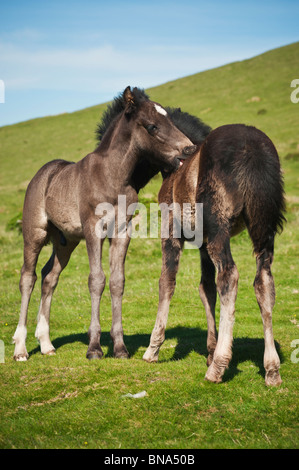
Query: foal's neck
point(120, 152)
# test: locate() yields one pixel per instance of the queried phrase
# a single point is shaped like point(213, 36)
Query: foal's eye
point(151, 128)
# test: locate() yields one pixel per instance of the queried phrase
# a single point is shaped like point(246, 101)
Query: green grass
point(65, 401)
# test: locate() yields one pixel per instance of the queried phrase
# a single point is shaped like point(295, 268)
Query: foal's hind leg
point(265, 294)
point(207, 292)
point(171, 251)
point(32, 249)
point(227, 286)
point(50, 275)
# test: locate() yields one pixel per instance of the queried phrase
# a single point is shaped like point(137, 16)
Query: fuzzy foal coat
point(236, 175)
point(61, 205)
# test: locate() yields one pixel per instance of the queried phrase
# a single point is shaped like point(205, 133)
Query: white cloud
point(21, 35)
point(104, 68)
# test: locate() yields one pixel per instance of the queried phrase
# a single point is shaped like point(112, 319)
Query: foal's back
point(240, 178)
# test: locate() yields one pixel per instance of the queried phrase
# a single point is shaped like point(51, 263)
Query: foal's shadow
point(187, 341)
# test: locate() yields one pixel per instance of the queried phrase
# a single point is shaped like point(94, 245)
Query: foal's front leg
point(171, 252)
point(96, 284)
point(117, 256)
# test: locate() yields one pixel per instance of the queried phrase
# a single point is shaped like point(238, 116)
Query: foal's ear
point(129, 100)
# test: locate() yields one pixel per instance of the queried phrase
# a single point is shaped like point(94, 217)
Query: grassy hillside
point(65, 401)
point(255, 91)
point(223, 95)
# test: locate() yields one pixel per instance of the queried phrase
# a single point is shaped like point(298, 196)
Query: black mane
point(191, 126)
point(114, 109)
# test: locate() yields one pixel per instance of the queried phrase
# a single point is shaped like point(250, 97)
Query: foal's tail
point(261, 182)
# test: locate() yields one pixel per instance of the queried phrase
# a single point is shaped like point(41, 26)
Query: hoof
point(273, 378)
point(213, 374)
point(121, 353)
point(21, 357)
point(94, 354)
point(150, 356)
point(213, 379)
point(121, 356)
point(52, 352)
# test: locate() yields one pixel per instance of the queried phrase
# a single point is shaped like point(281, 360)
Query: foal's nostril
point(189, 150)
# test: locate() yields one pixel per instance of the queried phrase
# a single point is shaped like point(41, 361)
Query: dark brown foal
point(236, 176)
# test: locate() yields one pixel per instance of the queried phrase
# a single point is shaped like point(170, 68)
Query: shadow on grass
point(188, 340)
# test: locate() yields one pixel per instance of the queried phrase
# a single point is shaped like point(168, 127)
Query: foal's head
point(153, 133)
point(156, 137)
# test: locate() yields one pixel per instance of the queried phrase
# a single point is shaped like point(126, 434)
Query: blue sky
point(60, 56)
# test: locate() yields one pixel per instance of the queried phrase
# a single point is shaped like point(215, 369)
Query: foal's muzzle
point(178, 161)
point(187, 152)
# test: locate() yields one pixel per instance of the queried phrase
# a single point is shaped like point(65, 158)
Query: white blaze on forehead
point(160, 109)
